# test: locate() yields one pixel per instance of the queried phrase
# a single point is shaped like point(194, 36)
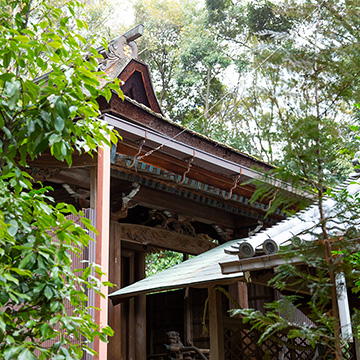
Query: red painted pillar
point(102, 242)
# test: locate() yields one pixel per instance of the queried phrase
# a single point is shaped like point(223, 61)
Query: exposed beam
point(196, 192)
point(79, 177)
point(209, 215)
point(47, 160)
point(163, 238)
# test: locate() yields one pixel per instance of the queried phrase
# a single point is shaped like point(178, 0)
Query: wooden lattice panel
point(240, 343)
point(349, 352)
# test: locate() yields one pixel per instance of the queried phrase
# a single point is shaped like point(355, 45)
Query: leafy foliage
point(57, 114)
point(36, 279)
point(162, 260)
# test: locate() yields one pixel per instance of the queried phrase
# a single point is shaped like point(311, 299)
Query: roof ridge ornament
point(123, 47)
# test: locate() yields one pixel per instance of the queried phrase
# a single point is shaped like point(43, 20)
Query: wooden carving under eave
point(42, 174)
point(164, 239)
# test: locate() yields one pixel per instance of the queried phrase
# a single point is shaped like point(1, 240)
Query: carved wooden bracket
point(118, 49)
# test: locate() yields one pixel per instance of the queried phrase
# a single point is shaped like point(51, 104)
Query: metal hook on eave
point(141, 144)
point(271, 200)
point(189, 161)
point(236, 181)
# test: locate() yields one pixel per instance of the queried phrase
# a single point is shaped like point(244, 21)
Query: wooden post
point(131, 329)
point(115, 320)
point(140, 311)
point(188, 317)
point(102, 242)
point(216, 326)
point(243, 295)
point(357, 348)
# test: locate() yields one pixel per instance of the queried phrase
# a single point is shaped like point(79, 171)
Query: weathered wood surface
point(154, 198)
point(216, 325)
point(47, 160)
point(164, 239)
point(140, 311)
point(115, 312)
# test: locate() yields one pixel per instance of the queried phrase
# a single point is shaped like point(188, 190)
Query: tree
point(313, 90)
point(163, 21)
point(285, 81)
point(56, 113)
point(202, 62)
point(98, 17)
point(186, 60)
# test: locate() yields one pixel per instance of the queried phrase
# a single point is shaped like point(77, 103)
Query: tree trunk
point(207, 97)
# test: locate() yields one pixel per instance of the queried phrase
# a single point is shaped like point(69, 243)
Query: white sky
point(124, 12)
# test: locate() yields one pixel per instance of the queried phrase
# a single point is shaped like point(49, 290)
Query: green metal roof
point(200, 270)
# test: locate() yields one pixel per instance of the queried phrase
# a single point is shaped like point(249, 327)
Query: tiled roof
point(302, 226)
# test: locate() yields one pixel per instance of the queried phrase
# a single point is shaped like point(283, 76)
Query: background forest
point(255, 75)
point(258, 75)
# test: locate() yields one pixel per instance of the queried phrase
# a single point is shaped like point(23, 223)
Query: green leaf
point(13, 227)
point(59, 124)
point(55, 44)
point(22, 38)
point(107, 94)
point(39, 288)
point(86, 272)
point(107, 331)
point(62, 109)
point(45, 330)
point(11, 352)
point(43, 144)
point(80, 24)
point(48, 292)
point(26, 355)
point(54, 138)
point(11, 278)
point(6, 59)
point(25, 261)
point(7, 76)
point(21, 272)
